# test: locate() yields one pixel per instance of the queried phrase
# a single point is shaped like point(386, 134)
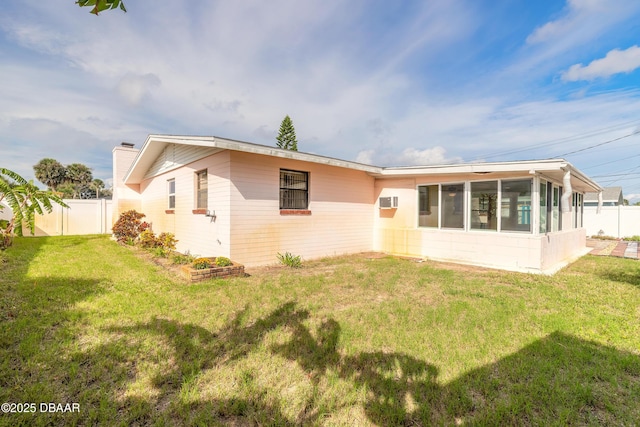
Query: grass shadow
point(557, 380)
point(629, 276)
point(109, 369)
point(37, 319)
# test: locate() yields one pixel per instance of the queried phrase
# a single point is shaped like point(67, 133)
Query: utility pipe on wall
point(565, 204)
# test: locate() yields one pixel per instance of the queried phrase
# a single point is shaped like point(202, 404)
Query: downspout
point(619, 220)
point(565, 200)
point(599, 208)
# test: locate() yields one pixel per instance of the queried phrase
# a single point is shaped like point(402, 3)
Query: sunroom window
point(453, 206)
point(484, 204)
point(429, 208)
point(515, 209)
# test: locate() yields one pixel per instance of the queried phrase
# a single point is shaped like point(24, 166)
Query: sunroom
point(523, 216)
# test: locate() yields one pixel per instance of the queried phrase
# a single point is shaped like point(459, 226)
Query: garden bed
point(213, 272)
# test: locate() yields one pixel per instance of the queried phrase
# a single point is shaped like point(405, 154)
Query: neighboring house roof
point(609, 194)
point(155, 145)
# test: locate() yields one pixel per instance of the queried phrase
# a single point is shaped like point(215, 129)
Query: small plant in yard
point(603, 237)
point(290, 260)
point(129, 226)
point(182, 259)
point(148, 239)
point(161, 252)
point(201, 263)
point(167, 241)
point(223, 261)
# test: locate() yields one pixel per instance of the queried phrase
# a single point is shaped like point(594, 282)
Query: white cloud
point(356, 80)
point(576, 13)
point(407, 157)
point(616, 61)
point(573, 33)
point(135, 88)
point(427, 156)
point(366, 157)
point(632, 198)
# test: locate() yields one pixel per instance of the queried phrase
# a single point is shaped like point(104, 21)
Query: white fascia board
point(247, 147)
point(154, 144)
point(520, 166)
point(531, 166)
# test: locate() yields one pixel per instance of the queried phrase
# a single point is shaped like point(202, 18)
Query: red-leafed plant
point(129, 226)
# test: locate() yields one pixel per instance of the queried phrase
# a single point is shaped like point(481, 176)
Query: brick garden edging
point(193, 275)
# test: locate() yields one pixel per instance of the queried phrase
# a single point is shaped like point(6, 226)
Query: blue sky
point(386, 83)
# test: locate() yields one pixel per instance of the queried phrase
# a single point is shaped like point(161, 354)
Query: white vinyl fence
point(615, 221)
point(91, 216)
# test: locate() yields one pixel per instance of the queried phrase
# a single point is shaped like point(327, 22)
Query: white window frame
point(171, 193)
point(200, 201)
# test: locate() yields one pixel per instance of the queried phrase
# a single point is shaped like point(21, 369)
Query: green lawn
point(342, 341)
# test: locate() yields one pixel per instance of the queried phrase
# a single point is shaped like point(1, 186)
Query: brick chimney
point(125, 197)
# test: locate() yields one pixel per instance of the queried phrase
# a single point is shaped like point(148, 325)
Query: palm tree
point(97, 185)
point(50, 172)
point(79, 176)
point(25, 200)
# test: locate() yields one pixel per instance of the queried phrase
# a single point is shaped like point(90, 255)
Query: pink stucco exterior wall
point(196, 233)
point(341, 202)
point(248, 227)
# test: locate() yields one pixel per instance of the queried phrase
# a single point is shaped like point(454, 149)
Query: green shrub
point(167, 241)
point(223, 261)
point(129, 226)
point(632, 239)
point(161, 252)
point(182, 259)
point(148, 239)
point(201, 263)
point(290, 260)
point(603, 237)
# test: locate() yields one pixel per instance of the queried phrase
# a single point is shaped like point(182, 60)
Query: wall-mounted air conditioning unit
point(388, 202)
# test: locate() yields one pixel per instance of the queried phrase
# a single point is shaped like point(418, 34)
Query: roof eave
point(154, 144)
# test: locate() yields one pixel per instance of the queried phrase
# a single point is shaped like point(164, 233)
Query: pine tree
point(287, 137)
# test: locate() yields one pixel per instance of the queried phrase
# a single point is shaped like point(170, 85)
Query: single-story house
point(249, 202)
point(611, 196)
